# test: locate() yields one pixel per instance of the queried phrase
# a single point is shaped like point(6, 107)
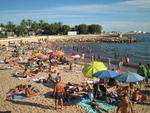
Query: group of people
point(103, 88)
point(25, 90)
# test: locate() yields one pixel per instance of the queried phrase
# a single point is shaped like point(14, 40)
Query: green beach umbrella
point(92, 68)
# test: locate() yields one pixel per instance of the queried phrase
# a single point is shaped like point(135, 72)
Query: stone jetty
point(75, 38)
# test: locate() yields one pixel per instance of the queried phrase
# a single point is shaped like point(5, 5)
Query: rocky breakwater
point(97, 38)
point(120, 39)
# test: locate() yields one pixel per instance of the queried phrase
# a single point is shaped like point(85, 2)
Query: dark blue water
point(137, 52)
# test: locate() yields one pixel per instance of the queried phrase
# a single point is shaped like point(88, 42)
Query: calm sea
point(137, 52)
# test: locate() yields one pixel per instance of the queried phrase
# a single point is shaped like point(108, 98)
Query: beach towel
point(73, 71)
point(6, 68)
point(88, 107)
point(92, 81)
point(48, 83)
point(19, 97)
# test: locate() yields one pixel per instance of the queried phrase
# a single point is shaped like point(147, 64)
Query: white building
point(72, 33)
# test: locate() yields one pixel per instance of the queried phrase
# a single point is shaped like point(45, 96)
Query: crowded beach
point(38, 77)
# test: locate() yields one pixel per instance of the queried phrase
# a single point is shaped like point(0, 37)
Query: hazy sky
point(113, 15)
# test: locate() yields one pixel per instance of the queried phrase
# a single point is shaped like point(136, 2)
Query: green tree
point(94, 29)
point(82, 28)
point(65, 29)
point(10, 27)
point(20, 30)
point(55, 28)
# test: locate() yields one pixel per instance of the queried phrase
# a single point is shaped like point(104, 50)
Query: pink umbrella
point(52, 53)
point(74, 54)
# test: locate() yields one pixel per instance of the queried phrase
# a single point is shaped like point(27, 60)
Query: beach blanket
point(6, 68)
point(88, 107)
point(92, 81)
point(48, 83)
point(73, 71)
point(17, 97)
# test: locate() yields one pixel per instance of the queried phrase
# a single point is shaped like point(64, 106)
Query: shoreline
point(74, 38)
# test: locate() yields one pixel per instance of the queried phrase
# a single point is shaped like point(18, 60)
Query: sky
point(113, 15)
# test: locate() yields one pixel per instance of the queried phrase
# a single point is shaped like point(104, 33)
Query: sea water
point(137, 51)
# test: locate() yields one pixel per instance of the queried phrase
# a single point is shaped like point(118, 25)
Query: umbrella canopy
point(21, 48)
point(129, 77)
point(43, 57)
point(92, 68)
point(74, 54)
point(105, 74)
point(57, 53)
point(52, 53)
point(38, 54)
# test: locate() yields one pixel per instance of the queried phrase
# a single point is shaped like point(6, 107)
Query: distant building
point(72, 33)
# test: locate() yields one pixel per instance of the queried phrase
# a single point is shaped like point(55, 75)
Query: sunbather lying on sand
point(29, 93)
point(139, 97)
point(97, 107)
point(18, 89)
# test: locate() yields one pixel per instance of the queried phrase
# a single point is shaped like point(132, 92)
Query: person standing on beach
point(58, 92)
point(127, 59)
point(142, 70)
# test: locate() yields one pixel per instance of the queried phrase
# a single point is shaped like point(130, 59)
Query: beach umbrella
point(43, 57)
point(21, 48)
point(52, 53)
point(129, 77)
point(59, 53)
point(38, 54)
point(75, 55)
point(105, 74)
point(92, 68)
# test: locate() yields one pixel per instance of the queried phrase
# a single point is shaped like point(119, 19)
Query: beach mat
point(5, 68)
point(73, 71)
point(18, 97)
point(103, 104)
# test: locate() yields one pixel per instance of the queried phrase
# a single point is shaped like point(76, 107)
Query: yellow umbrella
point(92, 68)
point(38, 54)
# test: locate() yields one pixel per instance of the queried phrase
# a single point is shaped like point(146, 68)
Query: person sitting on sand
point(29, 93)
point(58, 93)
point(122, 91)
point(138, 97)
point(70, 66)
point(124, 105)
point(132, 89)
point(97, 107)
point(52, 69)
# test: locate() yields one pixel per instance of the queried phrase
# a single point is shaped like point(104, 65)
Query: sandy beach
point(44, 103)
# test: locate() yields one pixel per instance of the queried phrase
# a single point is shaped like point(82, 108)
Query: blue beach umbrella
point(129, 77)
point(21, 48)
point(105, 74)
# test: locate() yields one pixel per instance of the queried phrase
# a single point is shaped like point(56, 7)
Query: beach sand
point(43, 103)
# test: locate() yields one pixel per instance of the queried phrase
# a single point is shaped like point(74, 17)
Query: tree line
point(26, 27)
